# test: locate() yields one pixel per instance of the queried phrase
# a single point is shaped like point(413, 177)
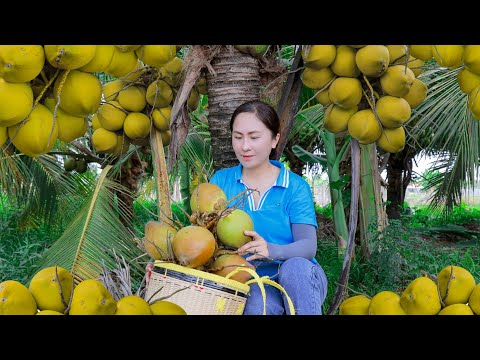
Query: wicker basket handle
point(261, 281)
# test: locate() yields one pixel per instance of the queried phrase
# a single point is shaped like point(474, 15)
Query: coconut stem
point(164, 207)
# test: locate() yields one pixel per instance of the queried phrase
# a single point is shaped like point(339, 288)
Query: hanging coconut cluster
point(367, 90)
point(468, 77)
point(51, 92)
point(209, 243)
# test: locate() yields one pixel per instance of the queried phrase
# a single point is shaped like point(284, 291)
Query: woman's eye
point(253, 138)
point(237, 137)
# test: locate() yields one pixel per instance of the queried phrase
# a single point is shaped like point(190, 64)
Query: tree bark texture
point(235, 80)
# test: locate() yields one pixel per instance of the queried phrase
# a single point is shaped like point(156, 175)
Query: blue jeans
point(305, 284)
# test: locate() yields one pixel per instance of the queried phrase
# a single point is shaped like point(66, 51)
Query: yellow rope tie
point(257, 280)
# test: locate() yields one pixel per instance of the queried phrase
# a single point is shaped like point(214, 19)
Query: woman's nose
point(245, 144)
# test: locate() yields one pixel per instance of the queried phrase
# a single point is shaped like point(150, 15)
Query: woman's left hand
point(258, 247)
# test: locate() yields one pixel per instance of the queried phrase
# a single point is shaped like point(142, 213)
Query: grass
point(400, 256)
point(397, 258)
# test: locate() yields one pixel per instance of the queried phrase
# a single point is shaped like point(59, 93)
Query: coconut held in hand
point(230, 229)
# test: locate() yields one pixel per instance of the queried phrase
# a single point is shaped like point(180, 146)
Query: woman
point(284, 242)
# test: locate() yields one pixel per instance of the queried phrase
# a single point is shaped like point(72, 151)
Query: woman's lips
point(246, 157)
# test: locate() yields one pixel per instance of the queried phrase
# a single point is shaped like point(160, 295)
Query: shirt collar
point(282, 179)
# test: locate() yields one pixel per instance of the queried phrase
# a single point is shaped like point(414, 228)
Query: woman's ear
point(275, 141)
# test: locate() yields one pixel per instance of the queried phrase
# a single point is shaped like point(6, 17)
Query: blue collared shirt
point(288, 201)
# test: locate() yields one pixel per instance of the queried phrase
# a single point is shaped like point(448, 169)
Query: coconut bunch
point(452, 292)
point(210, 242)
point(53, 291)
point(468, 58)
point(368, 90)
point(132, 106)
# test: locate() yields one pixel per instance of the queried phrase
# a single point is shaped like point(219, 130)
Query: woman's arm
point(304, 244)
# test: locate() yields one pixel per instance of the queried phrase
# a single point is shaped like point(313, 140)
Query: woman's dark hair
point(265, 112)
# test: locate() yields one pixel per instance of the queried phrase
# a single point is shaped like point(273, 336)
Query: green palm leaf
point(93, 234)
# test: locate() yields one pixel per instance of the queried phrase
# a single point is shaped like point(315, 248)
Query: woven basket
point(197, 292)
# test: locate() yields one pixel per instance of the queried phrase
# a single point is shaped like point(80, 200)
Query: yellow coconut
point(474, 300)
point(397, 80)
point(3, 135)
point(467, 80)
point(345, 92)
point(355, 305)
point(422, 52)
point(69, 127)
point(69, 57)
point(393, 111)
point(344, 63)
point(21, 63)
point(450, 56)
point(156, 55)
point(318, 56)
point(201, 85)
point(166, 137)
point(112, 115)
point(207, 197)
point(164, 307)
point(133, 305)
point(386, 303)
point(471, 58)
point(392, 140)
point(127, 48)
point(112, 89)
point(37, 135)
point(421, 297)
point(134, 74)
point(51, 287)
point(474, 102)
point(336, 118)
point(132, 98)
point(122, 63)
point(136, 125)
point(157, 240)
point(49, 312)
point(397, 53)
point(455, 284)
point(417, 93)
point(123, 144)
point(372, 60)
point(16, 101)
point(193, 246)
point(91, 297)
point(16, 299)
point(416, 65)
point(193, 100)
point(159, 94)
point(364, 127)
point(95, 122)
point(323, 98)
point(171, 72)
point(317, 79)
point(104, 140)
point(101, 60)
point(456, 309)
point(81, 93)
point(161, 118)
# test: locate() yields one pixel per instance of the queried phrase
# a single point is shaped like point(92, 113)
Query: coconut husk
point(198, 57)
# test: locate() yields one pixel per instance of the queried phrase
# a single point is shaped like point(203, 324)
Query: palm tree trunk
point(236, 79)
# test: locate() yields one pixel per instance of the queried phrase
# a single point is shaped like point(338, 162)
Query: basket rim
point(237, 285)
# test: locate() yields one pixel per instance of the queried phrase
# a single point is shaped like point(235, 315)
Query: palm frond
point(92, 235)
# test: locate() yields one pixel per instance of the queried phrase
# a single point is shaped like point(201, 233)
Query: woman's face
point(251, 140)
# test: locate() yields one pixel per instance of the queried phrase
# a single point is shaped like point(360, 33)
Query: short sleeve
point(215, 179)
point(301, 209)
